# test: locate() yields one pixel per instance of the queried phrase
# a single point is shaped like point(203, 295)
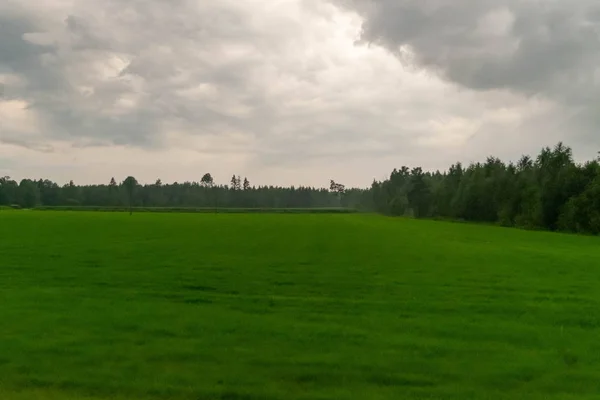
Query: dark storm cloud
point(20, 56)
point(534, 48)
point(526, 46)
point(46, 83)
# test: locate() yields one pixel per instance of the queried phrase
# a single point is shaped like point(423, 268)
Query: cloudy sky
point(290, 91)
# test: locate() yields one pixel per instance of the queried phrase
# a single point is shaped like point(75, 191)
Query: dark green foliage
point(204, 194)
point(130, 185)
point(29, 194)
point(548, 192)
point(551, 192)
point(207, 180)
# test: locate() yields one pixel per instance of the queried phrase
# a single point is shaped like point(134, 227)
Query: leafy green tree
point(338, 189)
point(207, 180)
point(8, 191)
point(112, 193)
point(49, 192)
point(130, 184)
point(72, 193)
point(29, 194)
point(235, 183)
point(399, 205)
point(419, 193)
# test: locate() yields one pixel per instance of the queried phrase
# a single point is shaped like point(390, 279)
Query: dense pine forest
point(205, 193)
point(550, 191)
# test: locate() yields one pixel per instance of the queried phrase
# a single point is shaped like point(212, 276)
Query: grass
point(220, 210)
point(99, 306)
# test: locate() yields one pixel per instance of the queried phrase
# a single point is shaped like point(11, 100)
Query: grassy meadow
point(102, 306)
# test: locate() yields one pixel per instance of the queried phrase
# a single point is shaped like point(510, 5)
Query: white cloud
point(277, 90)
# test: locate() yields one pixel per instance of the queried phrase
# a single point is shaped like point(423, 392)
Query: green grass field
point(104, 306)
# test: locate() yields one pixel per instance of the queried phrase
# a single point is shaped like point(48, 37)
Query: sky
point(291, 92)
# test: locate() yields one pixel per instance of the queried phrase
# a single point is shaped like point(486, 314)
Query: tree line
point(550, 192)
point(29, 193)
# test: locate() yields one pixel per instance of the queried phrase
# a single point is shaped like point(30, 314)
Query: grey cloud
point(166, 47)
point(534, 48)
point(201, 68)
point(149, 73)
point(18, 55)
point(523, 45)
point(33, 145)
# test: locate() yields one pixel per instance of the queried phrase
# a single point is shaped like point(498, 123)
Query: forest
point(550, 192)
point(30, 193)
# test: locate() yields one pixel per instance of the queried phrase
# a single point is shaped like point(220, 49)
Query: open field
point(210, 210)
point(104, 306)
